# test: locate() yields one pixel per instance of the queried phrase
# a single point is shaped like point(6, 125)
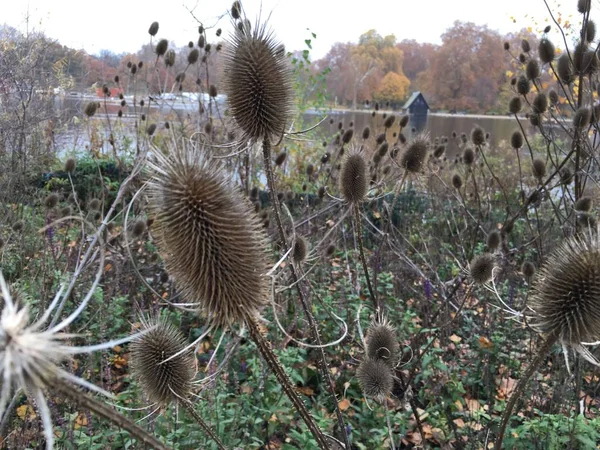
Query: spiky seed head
point(584, 204)
point(493, 240)
point(325, 158)
point(566, 176)
point(515, 105)
point(310, 169)
point(280, 158)
point(383, 149)
point(532, 70)
point(516, 140)
point(258, 83)
point(591, 31)
point(163, 382)
point(193, 56)
point(65, 211)
point(330, 250)
point(506, 46)
point(380, 139)
point(300, 251)
point(439, 151)
point(583, 6)
point(565, 294)
point(553, 97)
point(535, 119)
point(578, 55)
point(153, 29)
point(151, 129)
point(457, 181)
point(590, 62)
point(321, 192)
point(161, 47)
point(376, 158)
point(525, 46)
point(366, 133)
point(523, 85)
point(478, 136)
point(170, 58)
point(547, 29)
point(90, 109)
point(254, 193)
point(353, 177)
point(564, 68)
point(201, 41)
point(382, 343)
point(586, 220)
point(581, 118)
point(236, 10)
point(214, 245)
point(389, 121)
point(522, 58)
point(546, 51)
point(375, 379)
point(347, 136)
point(51, 201)
point(94, 205)
point(528, 270)
point(538, 168)
point(468, 156)
point(414, 156)
point(481, 268)
point(402, 138)
point(70, 165)
point(138, 228)
point(18, 226)
point(404, 121)
point(540, 103)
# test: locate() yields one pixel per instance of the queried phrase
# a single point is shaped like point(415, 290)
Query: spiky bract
point(481, 268)
point(375, 379)
point(415, 154)
point(258, 83)
point(163, 381)
point(212, 241)
point(300, 251)
point(382, 343)
point(353, 177)
point(566, 291)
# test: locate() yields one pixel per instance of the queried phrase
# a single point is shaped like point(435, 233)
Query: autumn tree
point(392, 88)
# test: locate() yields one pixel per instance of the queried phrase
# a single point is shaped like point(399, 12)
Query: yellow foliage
point(393, 88)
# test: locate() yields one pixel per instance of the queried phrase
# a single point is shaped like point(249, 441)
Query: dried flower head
point(138, 228)
point(591, 30)
point(280, 158)
point(540, 103)
point(382, 343)
point(584, 204)
point(523, 85)
point(525, 46)
point(546, 51)
point(564, 68)
point(404, 121)
point(478, 136)
point(90, 109)
point(18, 226)
point(153, 29)
point(353, 177)
point(515, 105)
point(538, 168)
point(581, 118)
point(300, 251)
point(414, 156)
point(528, 270)
point(163, 376)
point(161, 47)
point(481, 268)
point(375, 379)
point(51, 201)
point(70, 165)
point(493, 240)
point(94, 204)
point(347, 136)
point(213, 243)
point(389, 121)
point(516, 140)
point(258, 83)
point(457, 181)
point(468, 156)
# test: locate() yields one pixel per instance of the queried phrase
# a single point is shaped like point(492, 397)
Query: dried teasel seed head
point(578, 55)
point(170, 58)
point(546, 51)
point(201, 41)
point(161, 380)
point(404, 121)
point(366, 133)
point(330, 250)
point(375, 379)
point(564, 68)
point(481, 268)
point(380, 139)
point(565, 294)
point(389, 121)
point(94, 205)
point(591, 31)
point(258, 83)
point(439, 151)
point(583, 6)
point(193, 56)
point(151, 129)
point(553, 97)
point(532, 70)
point(584, 204)
point(468, 156)
point(414, 156)
point(153, 29)
point(325, 158)
point(506, 46)
point(516, 140)
point(525, 46)
point(522, 58)
point(376, 159)
point(236, 10)
point(18, 226)
point(586, 220)
point(300, 251)
point(538, 168)
point(310, 169)
point(535, 119)
point(515, 105)
point(590, 62)
point(321, 192)
point(280, 158)
point(161, 47)
point(523, 85)
point(547, 29)
point(214, 244)
point(138, 228)
point(383, 149)
point(493, 240)
point(528, 270)
point(581, 118)
point(51, 201)
point(347, 136)
point(478, 136)
point(457, 181)
point(566, 176)
point(353, 177)
point(382, 343)
point(540, 103)
point(65, 211)
point(70, 165)
point(90, 109)
point(212, 91)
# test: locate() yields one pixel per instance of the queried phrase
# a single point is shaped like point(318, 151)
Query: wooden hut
point(417, 108)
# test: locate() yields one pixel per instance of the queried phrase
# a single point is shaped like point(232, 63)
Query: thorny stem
point(84, 400)
point(541, 355)
point(187, 405)
point(270, 357)
point(363, 260)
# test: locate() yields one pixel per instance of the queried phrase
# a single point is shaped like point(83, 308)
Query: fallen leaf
point(485, 342)
point(344, 404)
point(454, 338)
point(80, 421)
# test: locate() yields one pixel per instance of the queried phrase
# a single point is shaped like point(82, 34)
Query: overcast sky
point(122, 25)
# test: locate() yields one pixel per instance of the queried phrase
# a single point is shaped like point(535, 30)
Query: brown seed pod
point(236, 10)
point(310, 169)
point(170, 58)
point(540, 103)
point(389, 121)
point(300, 251)
point(51, 201)
point(468, 156)
point(478, 136)
point(564, 68)
point(258, 83)
point(151, 129)
point(457, 181)
point(347, 136)
point(280, 158)
point(94, 205)
point(65, 211)
point(566, 176)
point(383, 149)
point(532, 70)
point(193, 56)
point(525, 46)
point(18, 226)
point(330, 250)
point(584, 204)
point(506, 46)
point(353, 177)
point(138, 228)
point(404, 121)
point(546, 51)
point(382, 343)
point(366, 133)
point(516, 140)
point(581, 118)
point(528, 270)
point(553, 97)
point(212, 91)
point(439, 151)
point(90, 109)
point(481, 268)
point(515, 105)
point(523, 85)
point(493, 240)
point(70, 165)
point(153, 29)
point(375, 379)
point(583, 6)
point(161, 47)
point(213, 243)
point(161, 380)
point(565, 294)
point(414, 156)
point(380, 139)
point(538, 168)
point(535, 119)
point(591, 30)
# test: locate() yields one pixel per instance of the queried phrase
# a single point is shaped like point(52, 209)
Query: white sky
point(122, 25)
